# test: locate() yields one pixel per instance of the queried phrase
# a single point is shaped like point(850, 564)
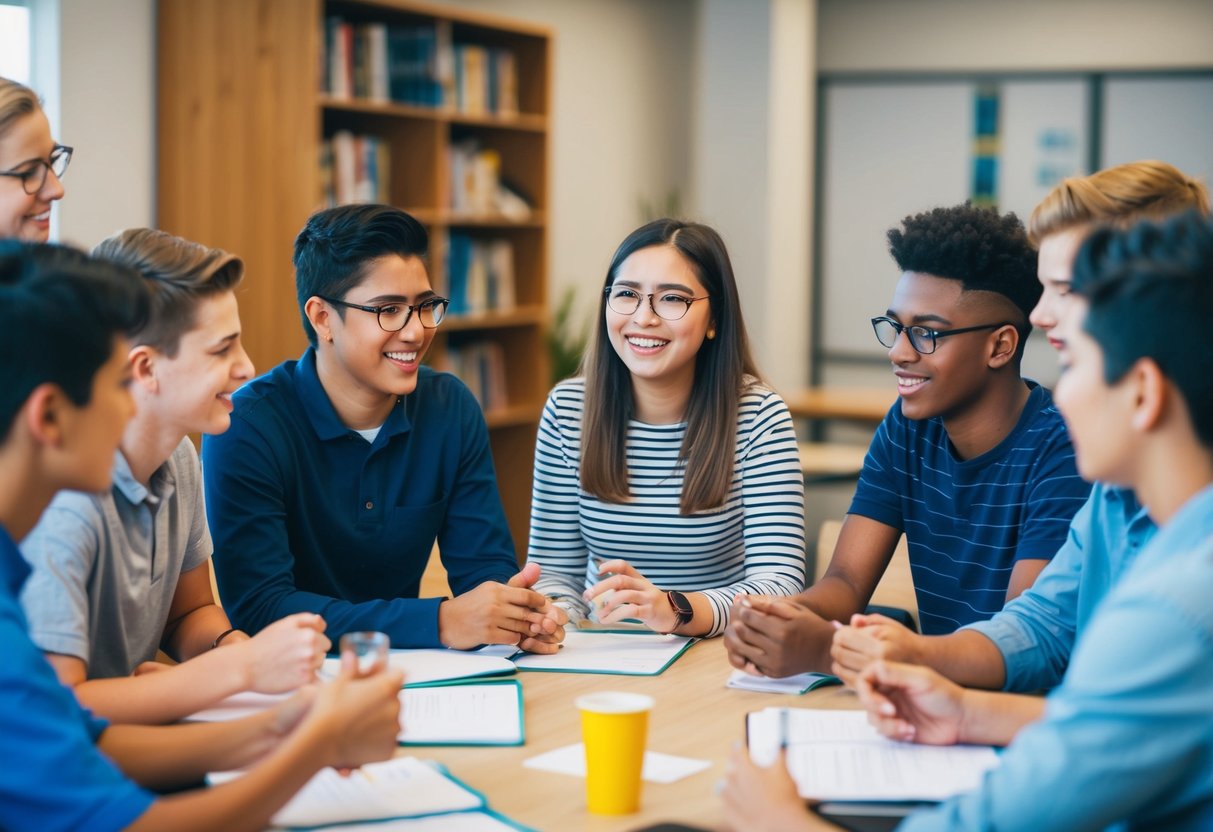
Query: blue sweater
point(967, 522)
point(307, 515)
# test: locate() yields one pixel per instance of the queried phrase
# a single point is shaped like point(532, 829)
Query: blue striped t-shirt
point(967, 522)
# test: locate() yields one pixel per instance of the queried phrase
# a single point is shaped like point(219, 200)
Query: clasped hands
point(509, 613)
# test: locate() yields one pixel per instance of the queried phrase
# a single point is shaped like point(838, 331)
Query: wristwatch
point(682, 607)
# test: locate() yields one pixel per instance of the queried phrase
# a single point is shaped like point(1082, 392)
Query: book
point(623, 654)
point(432, 667)
point(837, 756)
point(794, 685)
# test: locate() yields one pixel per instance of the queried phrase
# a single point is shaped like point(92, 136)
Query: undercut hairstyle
point(337, 245)
point(16, 102)
point(724, 368)
point(983, 251)
point(180, 274)
point(1150, 290)
point(63, 311)
point(1117, 196)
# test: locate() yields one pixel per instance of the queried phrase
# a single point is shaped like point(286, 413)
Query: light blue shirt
point(1036, 631)
point(1126, 741)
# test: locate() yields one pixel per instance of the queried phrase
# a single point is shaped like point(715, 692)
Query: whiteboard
point(1167, 117)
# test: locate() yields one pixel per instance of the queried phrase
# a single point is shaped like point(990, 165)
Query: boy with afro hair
point(973, 463)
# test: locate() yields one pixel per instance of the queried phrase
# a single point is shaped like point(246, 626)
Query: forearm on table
point(966, 657)
point(195, 633)
point(994, 718)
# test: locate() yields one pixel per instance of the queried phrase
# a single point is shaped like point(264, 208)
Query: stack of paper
point(837, 755)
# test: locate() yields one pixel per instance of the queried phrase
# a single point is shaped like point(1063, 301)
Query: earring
point(711, 333)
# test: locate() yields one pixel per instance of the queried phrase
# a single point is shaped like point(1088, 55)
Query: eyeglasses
point(669, 306)
point(33, 173)
point(394, 317)
point(921, 338)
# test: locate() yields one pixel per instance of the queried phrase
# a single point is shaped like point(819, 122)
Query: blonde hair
point(1117, 196)
point(179, 274)
point(16, 101)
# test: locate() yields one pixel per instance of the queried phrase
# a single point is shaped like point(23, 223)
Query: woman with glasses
point(340, 470)
point(31, 165)
point(667, 478)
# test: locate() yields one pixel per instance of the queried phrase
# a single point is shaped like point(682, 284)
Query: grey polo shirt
point(105, 567)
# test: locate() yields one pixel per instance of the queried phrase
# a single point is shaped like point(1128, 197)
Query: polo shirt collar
point(13, 568)
point(321, 413)
point(162, 482)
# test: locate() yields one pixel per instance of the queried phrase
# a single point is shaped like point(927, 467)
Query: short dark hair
point(63, 310)
point(335, 245)
point(179, 273)
point(984, 251)
point(1151, 296)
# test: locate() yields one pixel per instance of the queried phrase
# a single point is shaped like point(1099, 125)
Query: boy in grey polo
point(119, 575)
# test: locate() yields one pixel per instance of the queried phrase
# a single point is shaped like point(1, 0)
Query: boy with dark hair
point(64, 403)
point(342, 468)
point(117, 575)
point(973, 464)
point(1127, 739)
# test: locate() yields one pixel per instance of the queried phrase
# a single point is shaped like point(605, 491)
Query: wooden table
point(857, 404)
point(695, 716)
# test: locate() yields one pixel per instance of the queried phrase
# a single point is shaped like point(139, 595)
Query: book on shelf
point(481, 366)
point(477, 187)
point(480, 274)
point(417, 65)
point(355, 168)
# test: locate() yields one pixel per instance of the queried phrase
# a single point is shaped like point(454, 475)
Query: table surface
point(860, 404)
point(695, 716)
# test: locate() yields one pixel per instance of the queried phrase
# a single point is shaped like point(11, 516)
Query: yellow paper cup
point(613, 726)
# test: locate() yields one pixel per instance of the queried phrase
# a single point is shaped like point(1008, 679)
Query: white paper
point(794, 685)
point(658, 767)
point(640, 654)
point(837, 755)
point(238, 706)
point(422, 666)
point(488, 714)
point(400, 787)
point(456, 822)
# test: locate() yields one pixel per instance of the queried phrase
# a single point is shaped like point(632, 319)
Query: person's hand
point(868, 639)
point(359, 717)
point(631, 595)
point(546, 631)
point(912, 704)
point(774, 637)
point(495, 613)
point(758, 799)
point(286, 654)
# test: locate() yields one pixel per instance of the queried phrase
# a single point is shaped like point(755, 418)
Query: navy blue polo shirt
point(54, 777)
point(307, 516)
point(967, 522)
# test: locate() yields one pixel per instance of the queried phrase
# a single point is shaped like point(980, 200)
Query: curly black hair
point(984, 251)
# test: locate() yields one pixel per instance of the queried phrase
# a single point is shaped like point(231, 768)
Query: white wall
point(856, 35)
point(100, 98)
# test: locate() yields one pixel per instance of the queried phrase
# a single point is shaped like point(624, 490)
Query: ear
point(1004, 342)
point(44, 414)
point(317, 312)
point(143, 367)
point(1150, 391)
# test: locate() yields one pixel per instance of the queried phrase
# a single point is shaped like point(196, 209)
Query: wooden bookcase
point(241, 121)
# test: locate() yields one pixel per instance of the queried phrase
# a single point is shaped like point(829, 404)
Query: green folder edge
point(483, 744)
point(482, 809)
point(690, 640)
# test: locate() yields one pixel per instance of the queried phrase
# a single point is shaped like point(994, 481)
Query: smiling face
point(1055, 263)
point(196, 385)
point(27, 217)
point(657, 351)
point(368, 362)
point(949, 380)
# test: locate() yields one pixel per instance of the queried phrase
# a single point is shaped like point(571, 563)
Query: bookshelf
point(254, 135)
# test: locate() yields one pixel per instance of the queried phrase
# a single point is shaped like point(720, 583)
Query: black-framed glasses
point(33, 173)
point(922, 339)
point(669, 306)
point(394, 317)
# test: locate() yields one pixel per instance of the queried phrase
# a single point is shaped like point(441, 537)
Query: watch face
point(681, 605)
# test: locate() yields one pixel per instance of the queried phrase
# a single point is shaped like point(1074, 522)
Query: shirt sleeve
point(198, 547)
point(772, 497)
point(62, 550)
point(246, 486)
point(1035, 632)
point(474, 541)
point(1125, 736)
point(1054, 495)
point(878, 493)
point(55, 778)
point(555, 541)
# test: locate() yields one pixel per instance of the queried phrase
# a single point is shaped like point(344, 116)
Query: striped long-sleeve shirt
point(754, 543)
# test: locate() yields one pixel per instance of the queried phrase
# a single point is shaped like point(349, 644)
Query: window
point(14, 41)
